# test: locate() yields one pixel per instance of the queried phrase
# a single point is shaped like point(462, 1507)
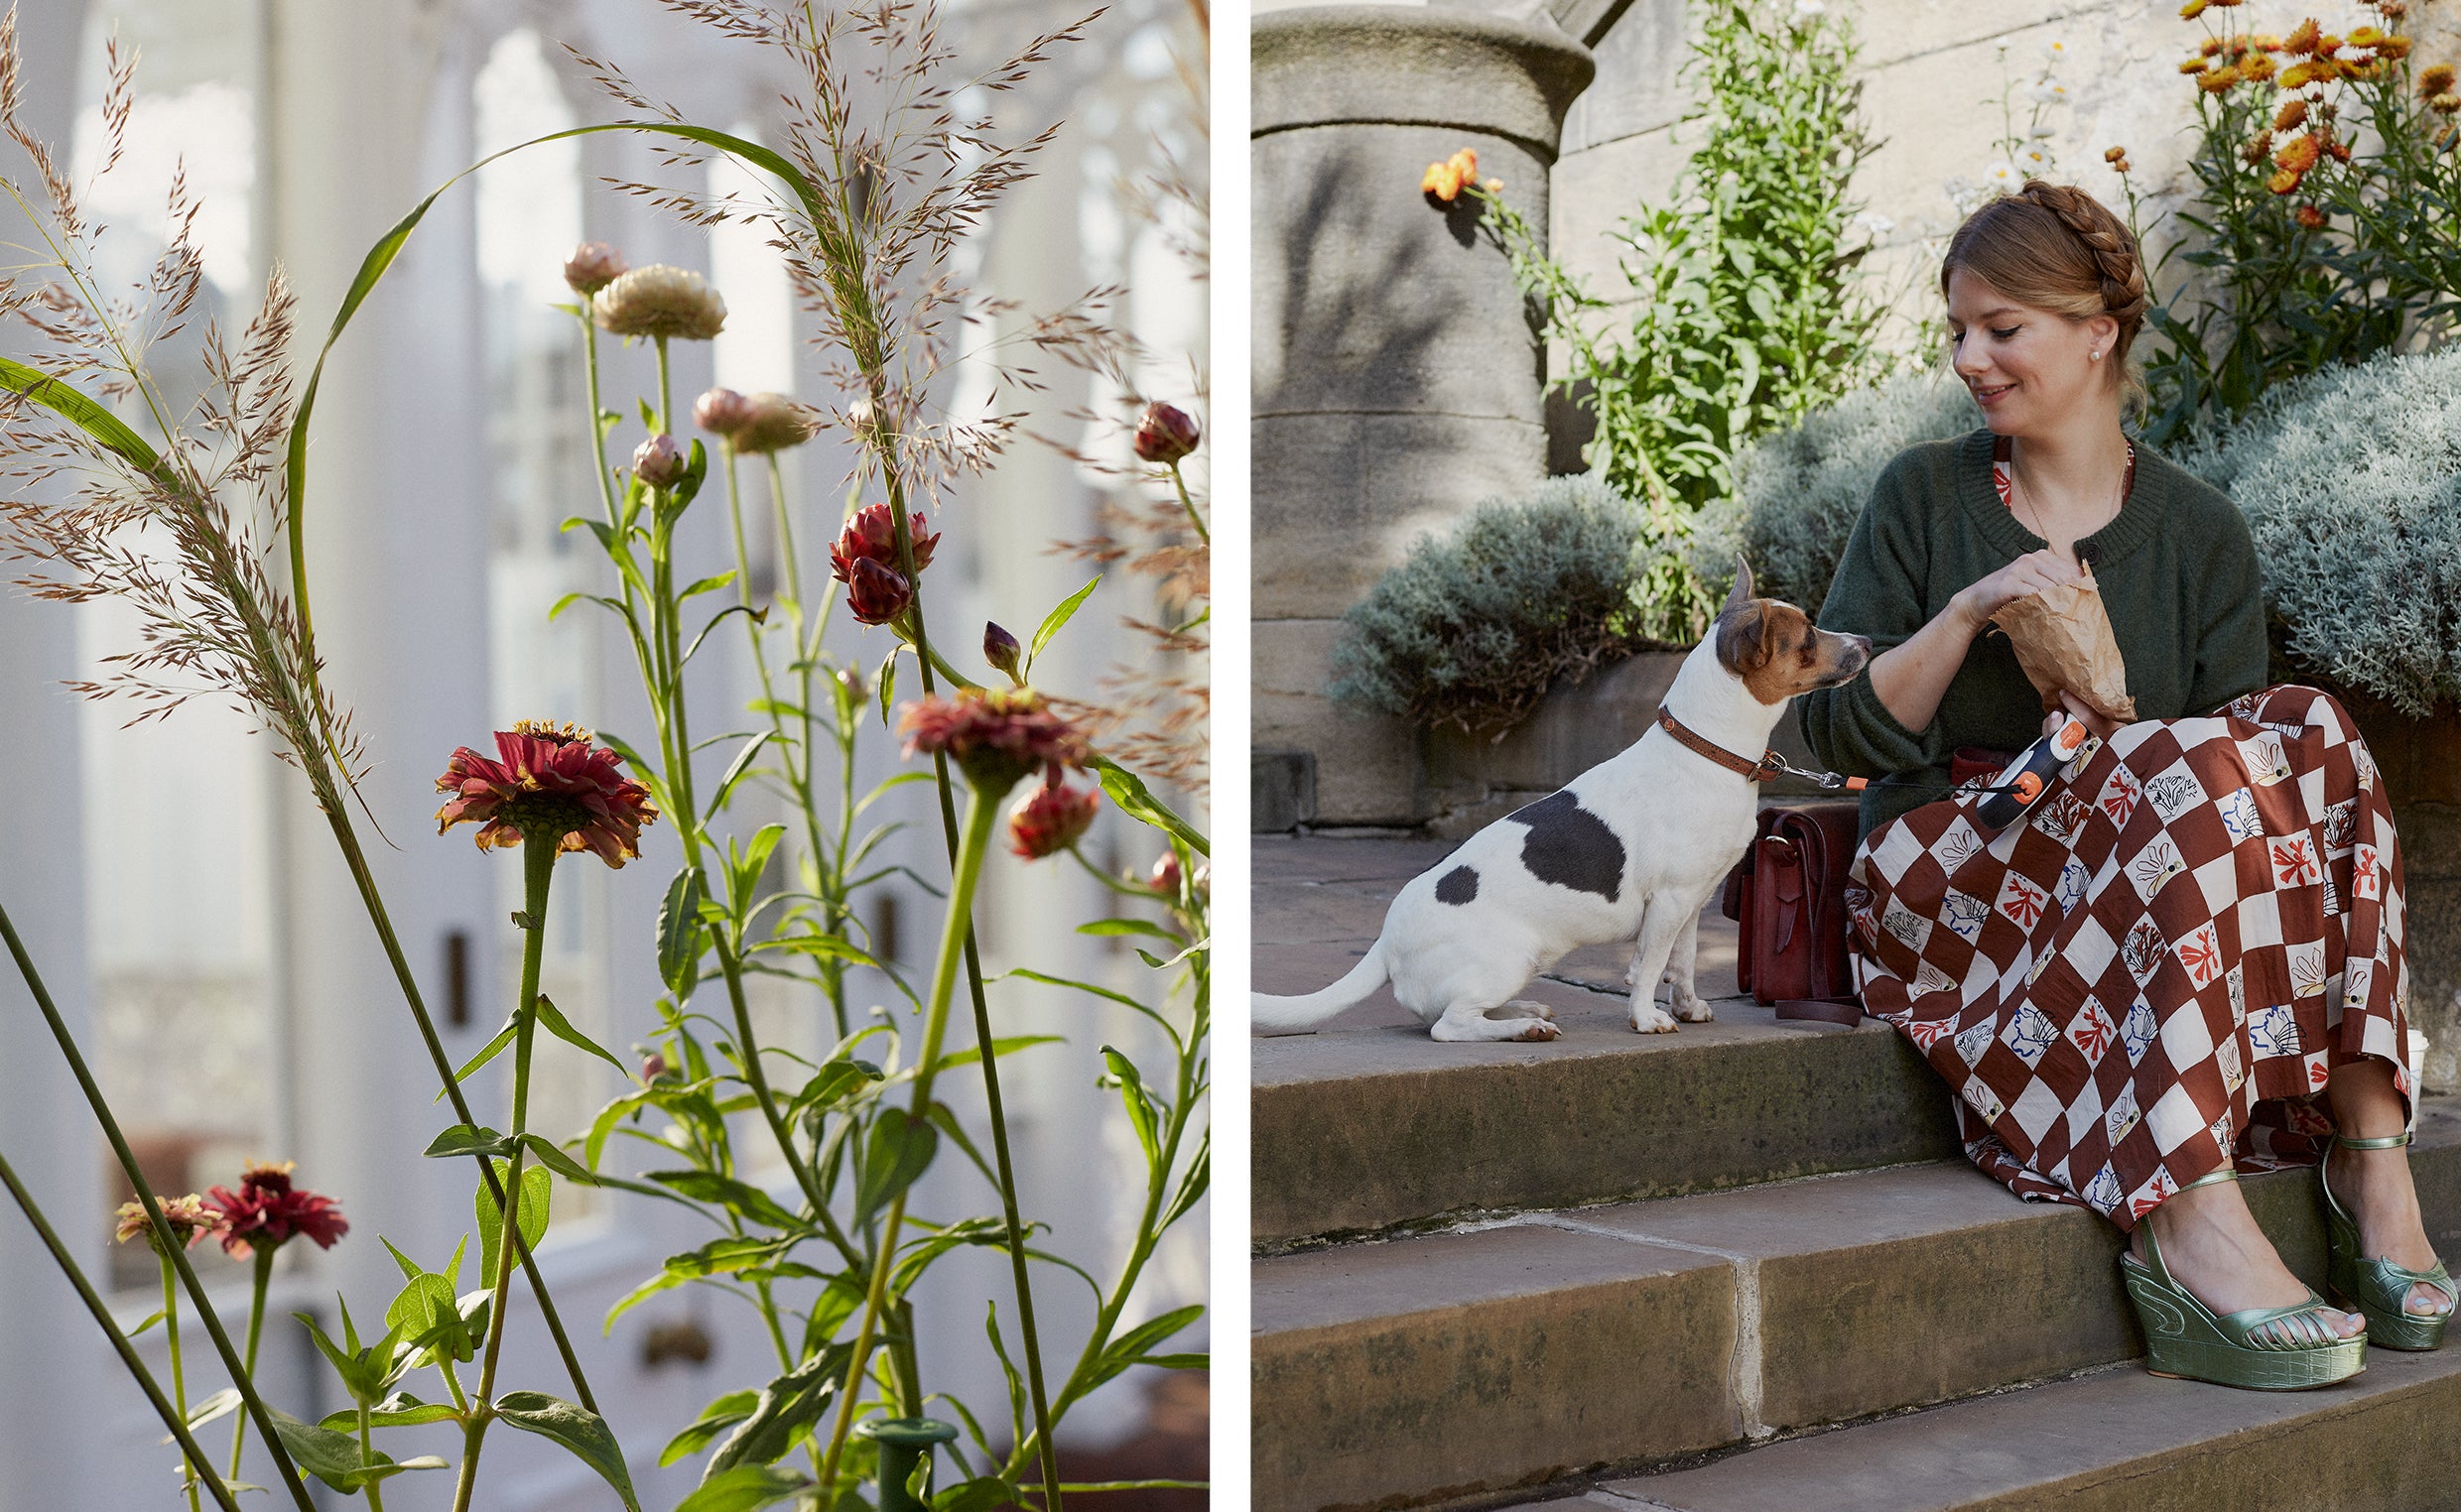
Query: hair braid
point(2105, 240)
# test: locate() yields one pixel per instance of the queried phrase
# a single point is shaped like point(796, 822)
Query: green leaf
point(735, 774)
point(1128, 792)
point(551, 1156)
point(714, 1419)
point(422, 1308)
point(219, 1405)
point(708, 585)
point(901, 1149)
point(786, 1411)
point(462, 1139)
point(582, 1432)
point(151, 1320)
point(678, 933)
point(334, 1457)
point(1127, 926)
point(537, 1187)
point(743, 1489)
point(1000, 1046)
point(561, 1028)
point(487, 1053)
point(741, 1198)
point(979, 1495)
point(400, 1410)
point(1197, 1361)
point(889, 683)
point(1140, 1107)
point(835, 1082)
point(1136, 1343)
point(1058, 617)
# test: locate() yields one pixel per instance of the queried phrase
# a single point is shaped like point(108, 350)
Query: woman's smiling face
point(2027, 367)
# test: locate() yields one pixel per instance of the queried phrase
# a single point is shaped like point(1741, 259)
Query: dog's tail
point(1267, 1014)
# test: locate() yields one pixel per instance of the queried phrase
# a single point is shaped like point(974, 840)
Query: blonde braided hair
point(2056, 247)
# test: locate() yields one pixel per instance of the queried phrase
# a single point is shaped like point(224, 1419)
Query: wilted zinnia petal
point(547, 781)
point(1050, 820)
point(187, 1217)
point(659, 300)
point(267, 1213)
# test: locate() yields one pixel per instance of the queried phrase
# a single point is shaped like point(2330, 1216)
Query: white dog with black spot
point(1630, 850)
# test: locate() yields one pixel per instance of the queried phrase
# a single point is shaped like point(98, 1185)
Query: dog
point(1629, 849)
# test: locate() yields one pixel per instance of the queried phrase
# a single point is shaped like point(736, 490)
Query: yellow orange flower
point(2218, 81)
point(1467, 161)
point(2301, 75)
point(2192, 10)
point(2113, 154)
point(2365, 36)
point(2434, 80)
point(2256, 66)
point(2193, 66)
point(2392, 47)
point(2283, 182)
point(1493, 185)
point(2338, 148)
point(2258, 149)
point(2446, 103)
point(2327, 45)
point(2292, 115)
point(2311, 217)
point(2264, 41)
point(1443, 181)
point(2303, 40)
point(2300, 154)
point(2212, 46)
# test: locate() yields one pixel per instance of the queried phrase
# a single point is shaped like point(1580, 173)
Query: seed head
point(659, 300)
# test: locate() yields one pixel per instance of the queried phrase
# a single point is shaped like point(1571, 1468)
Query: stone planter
point(2420, 760)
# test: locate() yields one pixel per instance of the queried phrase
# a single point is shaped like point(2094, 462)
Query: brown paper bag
point(2062, 637)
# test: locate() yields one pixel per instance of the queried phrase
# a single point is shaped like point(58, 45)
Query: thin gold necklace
point(2119, 503)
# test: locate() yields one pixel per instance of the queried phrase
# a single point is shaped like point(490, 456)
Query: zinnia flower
point(721, 412)
point(547, 781)
point(659, 300)
point(871, 534)
point(774, 422)
point(877, 593)
point(1050, 819)
point(998, 735)
point(267, 1213)
point(1166, 433)
point(592, 266)
point(658, 461)
point(189, 1218)
point(2311, 217)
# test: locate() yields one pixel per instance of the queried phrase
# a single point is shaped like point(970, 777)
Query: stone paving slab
point(1478, 1360)
point(2117, 1441)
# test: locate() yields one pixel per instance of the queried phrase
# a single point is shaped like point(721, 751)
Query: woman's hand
point(2071, 705)
point(2023, 579)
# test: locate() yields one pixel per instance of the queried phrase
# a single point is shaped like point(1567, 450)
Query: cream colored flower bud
point(660, 301)
point(774, 422)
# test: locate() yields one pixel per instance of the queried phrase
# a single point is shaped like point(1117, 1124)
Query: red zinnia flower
point(1166, 433)
point(1050, 819)
point(268, 1212)
point(877, 593)
point(549, 780)
point(871, 534)
point(998, 735)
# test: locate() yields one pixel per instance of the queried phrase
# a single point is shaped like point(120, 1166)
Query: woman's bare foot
point(2212, 1246)
point(2374, 1186)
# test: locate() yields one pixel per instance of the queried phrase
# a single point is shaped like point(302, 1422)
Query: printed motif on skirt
point(2160, 963)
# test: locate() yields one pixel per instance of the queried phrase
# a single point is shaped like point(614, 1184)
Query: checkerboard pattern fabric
point(2160, 963)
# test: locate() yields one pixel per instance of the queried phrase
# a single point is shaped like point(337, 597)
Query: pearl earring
point(2097, 356)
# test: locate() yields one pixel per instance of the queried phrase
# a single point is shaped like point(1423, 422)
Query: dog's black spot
point(1570, 846)
point(1459, 885)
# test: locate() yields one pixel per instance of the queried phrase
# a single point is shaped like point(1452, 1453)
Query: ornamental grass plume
point(1000, 737)
point(1050, 819)
point(547, 781)
point(189, 1218)
point(660, 302)
point(268, 1211)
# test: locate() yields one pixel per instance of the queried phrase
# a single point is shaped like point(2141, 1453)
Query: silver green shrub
point(1471, 630)
point(2351, 482)
point(1798, 491)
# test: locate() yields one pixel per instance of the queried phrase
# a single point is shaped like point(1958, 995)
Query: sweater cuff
point(1855, 732)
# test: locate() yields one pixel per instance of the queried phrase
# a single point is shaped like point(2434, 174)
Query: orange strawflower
point(1467, 161)
point(2300, 154)
point(2193, 9)
point(2365, 36)
point(2392, 47)
point(2258, 149)
point(2212, 46)
point(2312, 71)
point(2292, 115)
point(2193, 66)
point(2327, 45)
point(2434, 80)
point(1442, 181)
point(2303, 40)
point(2256, 66)
point(2446, 103)
point(2311, 217)
point(2218, 81)
point(2283, 182)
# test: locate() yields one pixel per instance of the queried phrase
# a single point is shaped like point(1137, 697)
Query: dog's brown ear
point(1742, 593)
point(1742, 638)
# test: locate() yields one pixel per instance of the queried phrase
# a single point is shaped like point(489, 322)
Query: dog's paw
point(1696, 1011)
point(1538, 1030)
point(1653, 1021)
point(1523, 1008)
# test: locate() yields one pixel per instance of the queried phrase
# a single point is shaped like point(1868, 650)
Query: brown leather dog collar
point(1768, 765)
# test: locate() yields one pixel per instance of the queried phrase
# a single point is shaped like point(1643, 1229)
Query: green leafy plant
point(1471, 630)
point(1745, 308)
point(1798, 491)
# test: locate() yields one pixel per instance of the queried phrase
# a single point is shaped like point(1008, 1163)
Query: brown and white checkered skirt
point(2160, 966)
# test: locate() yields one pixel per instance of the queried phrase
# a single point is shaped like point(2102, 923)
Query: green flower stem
point(665, 389)
point(179, 1376)
point(981, 814)
point(154, 1214)
point(1190, 505)
point(887, 442)
point(172, 1418)
point(538, 870)
point(365, 878)
point(264, 1275)
point(367, 1456)
point(598, 429)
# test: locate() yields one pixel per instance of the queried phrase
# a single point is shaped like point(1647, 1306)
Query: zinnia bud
point(776, 421)
point(1164, 877)
point(661, 302)
point(653, 1066)
point(877, 593)
point(1000, 650)
point(871, 534)
point(592, 266)
point(1050, 820)
point(721, 412)
point(850, 679)
point(1166, 433)
point(658, 461)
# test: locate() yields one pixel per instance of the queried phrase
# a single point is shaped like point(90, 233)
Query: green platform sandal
point(2378, 1288)
point(2259, 1348)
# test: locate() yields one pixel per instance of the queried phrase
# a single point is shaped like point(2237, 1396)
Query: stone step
point(2114, 1441)
point(1466, 1363)
point(1372, 1130)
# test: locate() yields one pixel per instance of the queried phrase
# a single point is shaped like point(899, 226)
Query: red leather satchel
point(1788, 895)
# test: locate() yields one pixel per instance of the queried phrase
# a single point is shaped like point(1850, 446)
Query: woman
point(2187, 958)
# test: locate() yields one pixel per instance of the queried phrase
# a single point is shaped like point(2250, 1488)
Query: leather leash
point(1768, 765)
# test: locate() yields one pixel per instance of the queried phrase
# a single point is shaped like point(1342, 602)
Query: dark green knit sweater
point(2177, 571)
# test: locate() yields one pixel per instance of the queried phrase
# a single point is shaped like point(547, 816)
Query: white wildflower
point(2055, 51)
point(1808, 8)
point(1875, 225)
point(2002, 175)
point(2048, 91)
